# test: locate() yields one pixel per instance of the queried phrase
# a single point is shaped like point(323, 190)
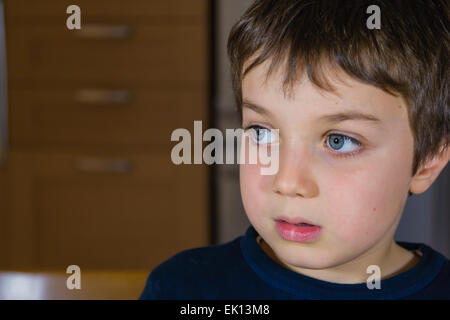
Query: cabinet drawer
point(104, 8)
point(102, 117)
point(120, 50)
point(110, 211)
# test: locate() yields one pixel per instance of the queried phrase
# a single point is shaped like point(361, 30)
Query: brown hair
point(408, 55)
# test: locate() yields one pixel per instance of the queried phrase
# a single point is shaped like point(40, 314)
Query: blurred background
point(85, 123)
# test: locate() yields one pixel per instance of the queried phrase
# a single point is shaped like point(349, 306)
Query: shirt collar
point(306, 287)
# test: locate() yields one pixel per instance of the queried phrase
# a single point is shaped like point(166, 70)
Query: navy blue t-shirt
point(240, 269)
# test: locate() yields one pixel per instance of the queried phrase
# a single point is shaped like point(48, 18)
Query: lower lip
point(297, 233)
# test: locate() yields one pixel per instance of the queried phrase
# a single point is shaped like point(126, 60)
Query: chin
point(307, 263)
point(304, 258)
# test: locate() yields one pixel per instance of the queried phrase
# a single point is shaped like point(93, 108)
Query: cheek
point(254, 188)
point(366, 201)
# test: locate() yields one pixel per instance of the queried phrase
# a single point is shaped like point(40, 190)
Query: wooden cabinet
point(104, 210)
point(103, 9)
point(89, 179)
point(145, 52)
point(77, 117)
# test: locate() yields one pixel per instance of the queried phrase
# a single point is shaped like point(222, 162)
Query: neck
point(391, 258)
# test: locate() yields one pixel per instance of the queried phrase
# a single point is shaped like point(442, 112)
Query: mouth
point(297, 230)
point(296, 221)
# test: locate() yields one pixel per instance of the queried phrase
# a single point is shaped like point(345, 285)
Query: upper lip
point(295, 220)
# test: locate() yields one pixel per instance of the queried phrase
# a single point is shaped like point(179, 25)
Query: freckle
point(374, 209)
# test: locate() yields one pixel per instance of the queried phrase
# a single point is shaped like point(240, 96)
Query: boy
point(363, 121)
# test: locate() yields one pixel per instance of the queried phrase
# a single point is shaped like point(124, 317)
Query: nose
point(294, 176)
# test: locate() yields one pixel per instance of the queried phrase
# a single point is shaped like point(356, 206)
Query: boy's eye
point(342, 144)
point(261, 135)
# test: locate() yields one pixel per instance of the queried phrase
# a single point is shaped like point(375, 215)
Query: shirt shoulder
point(439, 288)
point(186, 274)
point(438, 266)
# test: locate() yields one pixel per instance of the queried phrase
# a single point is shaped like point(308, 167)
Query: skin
point(357, 200)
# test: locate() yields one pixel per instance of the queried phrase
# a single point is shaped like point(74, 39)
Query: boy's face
point(355, 193)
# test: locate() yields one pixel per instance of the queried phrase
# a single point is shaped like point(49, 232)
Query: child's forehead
point(350, 96)
point(257, 85)
point(259, 78)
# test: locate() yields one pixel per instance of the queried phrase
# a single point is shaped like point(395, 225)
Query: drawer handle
point(102, 96)
point(103, 165)
point(98, 31)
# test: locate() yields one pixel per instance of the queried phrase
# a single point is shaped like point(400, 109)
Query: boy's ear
point(429, 171)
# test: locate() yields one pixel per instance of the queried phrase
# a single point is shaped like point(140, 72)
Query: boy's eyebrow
point(255, 107)
point(331, 118)
point(349, 115)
